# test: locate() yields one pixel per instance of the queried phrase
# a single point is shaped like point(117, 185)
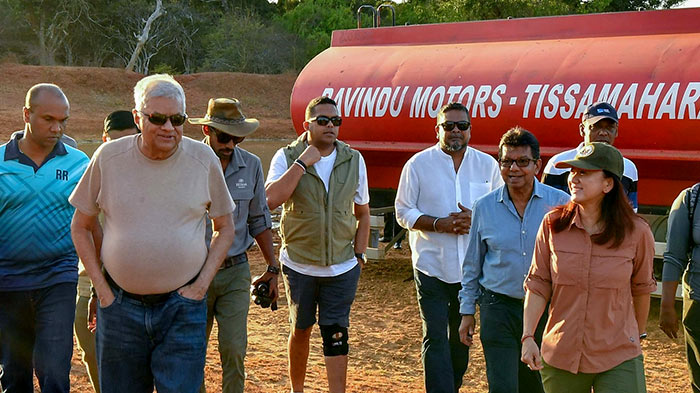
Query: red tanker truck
point(539, 73)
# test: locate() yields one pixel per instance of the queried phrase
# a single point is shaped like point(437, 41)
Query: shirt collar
point(12, 151)
point(536, 192)
point(236, 162)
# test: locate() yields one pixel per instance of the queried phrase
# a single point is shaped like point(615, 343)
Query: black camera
point(261, 295)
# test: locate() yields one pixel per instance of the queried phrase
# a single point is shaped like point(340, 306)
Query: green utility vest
point(318, 227)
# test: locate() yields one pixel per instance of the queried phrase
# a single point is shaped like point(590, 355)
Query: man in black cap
point(228, 298)
point(118, 124)
point(598, 124)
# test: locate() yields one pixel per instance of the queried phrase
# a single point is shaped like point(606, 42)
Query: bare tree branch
point(143, 38)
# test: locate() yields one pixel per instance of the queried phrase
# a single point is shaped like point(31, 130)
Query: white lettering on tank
point(368, 102)
point(551, 110)
point(359, 99)
point(433, 104)
point(383, 101)
point(481, 96)
point(585, 101)
point(649, 99)
point(691, 94)
point(668, 104)
point(467, 90)
point(420, 101)
point(540, 100)
point(495, 109)
point(452, 91)
point(570, 101)
point(627, 103)
point(395, 110)
point(610, 96)
point(530, 90)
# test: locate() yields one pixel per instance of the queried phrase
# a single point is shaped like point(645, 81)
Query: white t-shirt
point(323, 167)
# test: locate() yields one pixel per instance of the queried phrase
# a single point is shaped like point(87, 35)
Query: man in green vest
point(321, 184)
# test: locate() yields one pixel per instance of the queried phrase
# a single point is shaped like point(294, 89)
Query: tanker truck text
point(659, 100)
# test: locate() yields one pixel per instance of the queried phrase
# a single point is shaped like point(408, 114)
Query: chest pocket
point(241, 197)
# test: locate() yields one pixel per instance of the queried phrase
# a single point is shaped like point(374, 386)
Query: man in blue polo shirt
point(38, 263)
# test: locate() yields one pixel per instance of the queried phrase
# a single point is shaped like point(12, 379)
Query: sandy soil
point(385, 335)
point(95, 92)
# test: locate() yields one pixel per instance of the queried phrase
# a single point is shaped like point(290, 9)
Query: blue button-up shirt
point(501, 243)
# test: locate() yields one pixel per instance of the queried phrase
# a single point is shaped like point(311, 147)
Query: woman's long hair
point(616, 213)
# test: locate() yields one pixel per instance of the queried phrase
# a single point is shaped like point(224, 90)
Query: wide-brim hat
point(225, 115)
point(597, 156)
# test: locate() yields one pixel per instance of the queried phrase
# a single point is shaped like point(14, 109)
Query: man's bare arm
point(221, 240)
point(362, 234)
point(282, 189)
point(83, 229)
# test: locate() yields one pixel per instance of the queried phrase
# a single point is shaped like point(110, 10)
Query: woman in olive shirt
point(593, 261)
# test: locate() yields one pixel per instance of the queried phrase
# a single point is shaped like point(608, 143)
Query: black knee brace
point(335, 340)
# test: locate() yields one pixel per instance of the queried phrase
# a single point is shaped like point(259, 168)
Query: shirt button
point(523, 232)
point(524, 253)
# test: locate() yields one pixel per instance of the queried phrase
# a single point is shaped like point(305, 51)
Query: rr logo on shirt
point(61, 174)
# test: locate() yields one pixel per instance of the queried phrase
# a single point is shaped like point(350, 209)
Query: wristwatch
point(273, 269)
point(361, 255)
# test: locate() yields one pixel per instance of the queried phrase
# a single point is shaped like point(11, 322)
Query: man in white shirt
point(437, 189)
point(321, 184)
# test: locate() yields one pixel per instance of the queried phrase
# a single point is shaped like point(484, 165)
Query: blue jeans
point(139, 345)
point(36, 332)
point(445, 358)
point(501, 329)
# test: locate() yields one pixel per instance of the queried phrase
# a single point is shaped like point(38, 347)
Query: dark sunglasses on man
point(225, 138)
point(323, 120)
point(450, 125)
point(521, 162)
point(159, 119)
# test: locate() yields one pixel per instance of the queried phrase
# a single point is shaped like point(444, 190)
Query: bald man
point(38, 263)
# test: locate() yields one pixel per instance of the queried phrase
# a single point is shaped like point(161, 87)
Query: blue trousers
point(36, 333)
point(501, 329)
point(140, 345)
point(445, 358)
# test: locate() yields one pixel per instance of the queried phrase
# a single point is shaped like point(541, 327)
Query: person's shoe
point(383, 239)
point(397, 246)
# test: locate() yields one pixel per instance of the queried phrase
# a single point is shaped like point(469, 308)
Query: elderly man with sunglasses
point(228, 298)
point(437, 188)
point(321, 184)
point(505, 223)
point(156, 189)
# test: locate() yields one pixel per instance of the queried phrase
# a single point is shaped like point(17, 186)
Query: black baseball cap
point(599, 111)
point(597, 156)
point(119, 120)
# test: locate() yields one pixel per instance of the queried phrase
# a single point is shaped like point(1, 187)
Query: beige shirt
point(154, 211)
point(591, 326)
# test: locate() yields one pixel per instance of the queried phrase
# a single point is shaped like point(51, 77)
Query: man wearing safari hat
point(228, 298)
point(599, 123)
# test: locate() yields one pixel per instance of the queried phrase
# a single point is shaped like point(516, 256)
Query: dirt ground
point(385, 337)
point(385, 333)
point(95, 92)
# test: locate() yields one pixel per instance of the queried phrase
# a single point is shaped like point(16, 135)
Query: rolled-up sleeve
point(642, 281)
point(407, 212)
point(677, 239)
point(471, 266)
point(539, 278)
point(259, 218)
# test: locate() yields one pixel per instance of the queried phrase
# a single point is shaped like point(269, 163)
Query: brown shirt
point(154, 211)
point(591, 326)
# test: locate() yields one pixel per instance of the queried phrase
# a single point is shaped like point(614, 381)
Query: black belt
point(501, 296)
point(146, 299)
point(234, 260)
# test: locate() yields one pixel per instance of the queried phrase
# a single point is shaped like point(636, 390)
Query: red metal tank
point(539, 73)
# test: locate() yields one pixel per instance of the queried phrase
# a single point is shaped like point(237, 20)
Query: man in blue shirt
point(38, 263)
point(502, 238)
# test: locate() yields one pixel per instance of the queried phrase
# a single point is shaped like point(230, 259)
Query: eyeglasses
point(450, 125)
point(521, 162)
point(225, 138)
point(323, 120)
point(159, 119)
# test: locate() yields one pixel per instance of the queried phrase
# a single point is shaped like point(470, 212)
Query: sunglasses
point(450, 125)
point(159, 119)
point(323, 120)
point(521, 162)
point(225, 138)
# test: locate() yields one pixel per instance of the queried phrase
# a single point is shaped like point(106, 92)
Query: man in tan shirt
point(155, 190)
